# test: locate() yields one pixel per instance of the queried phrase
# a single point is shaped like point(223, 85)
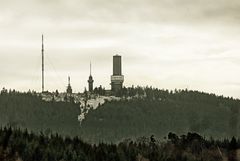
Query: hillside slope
point(178, 112)
point(26, 110)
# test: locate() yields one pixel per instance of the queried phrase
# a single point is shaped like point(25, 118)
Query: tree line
point(16, 144)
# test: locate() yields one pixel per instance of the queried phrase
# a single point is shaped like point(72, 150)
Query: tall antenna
point(42, 65)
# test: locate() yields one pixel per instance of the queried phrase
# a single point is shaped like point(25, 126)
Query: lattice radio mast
point(42, 65)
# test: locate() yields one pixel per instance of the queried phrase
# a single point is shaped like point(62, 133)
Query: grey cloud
point(156, 11)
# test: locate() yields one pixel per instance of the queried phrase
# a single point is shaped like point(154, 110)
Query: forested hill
point(140, 112)
point(160, 112)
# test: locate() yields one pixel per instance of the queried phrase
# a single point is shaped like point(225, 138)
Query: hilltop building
point(117, 78)
point(90, 80)
point(69, 88)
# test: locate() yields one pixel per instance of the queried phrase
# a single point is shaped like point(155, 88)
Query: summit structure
point(117, 78)
point(69, 88)
point(90, 80)
point(42, 65)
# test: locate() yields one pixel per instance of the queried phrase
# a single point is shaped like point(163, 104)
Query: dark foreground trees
point(22, 145)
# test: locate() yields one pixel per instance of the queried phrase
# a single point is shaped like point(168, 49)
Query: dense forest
point(154, 111)
point(27, 110)
point(21, 145)
point(141, 112)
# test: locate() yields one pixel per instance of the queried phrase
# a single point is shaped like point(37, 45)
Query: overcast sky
point(167, 44)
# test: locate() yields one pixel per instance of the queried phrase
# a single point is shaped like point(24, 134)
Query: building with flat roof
point(117, 78)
